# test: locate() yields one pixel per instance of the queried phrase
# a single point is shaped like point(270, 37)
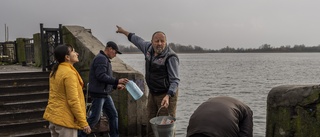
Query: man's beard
point(158, 50)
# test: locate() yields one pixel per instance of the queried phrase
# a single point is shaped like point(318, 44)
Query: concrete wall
point(132, 114)
point(293, 111)
point(21, 50)
point(37, 49)
point(85, 44)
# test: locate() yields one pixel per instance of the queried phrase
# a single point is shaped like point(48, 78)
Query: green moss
point(68, 37)
point(123, 108)
point(37, 49)
point(318, 112)
point(312, 98)
point(21, 50)
point(306, 125)
point(295, 121)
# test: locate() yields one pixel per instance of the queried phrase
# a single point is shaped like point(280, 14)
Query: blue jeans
point(107, 107)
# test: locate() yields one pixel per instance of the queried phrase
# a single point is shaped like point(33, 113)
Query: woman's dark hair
point(60, 53)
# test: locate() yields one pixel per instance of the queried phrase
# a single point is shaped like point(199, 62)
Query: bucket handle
point(160, 109)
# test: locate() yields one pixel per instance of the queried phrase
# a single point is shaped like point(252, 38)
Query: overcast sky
point(211, 24)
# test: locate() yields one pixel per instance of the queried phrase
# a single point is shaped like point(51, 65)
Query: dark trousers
point(154, 104)
point(106, 106)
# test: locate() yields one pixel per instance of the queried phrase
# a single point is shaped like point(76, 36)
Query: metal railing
point(8, 52)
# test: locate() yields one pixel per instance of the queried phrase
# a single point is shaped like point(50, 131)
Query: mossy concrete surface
point(293, 111)
point(37, 49)
point(21, 50)
point(85, 44)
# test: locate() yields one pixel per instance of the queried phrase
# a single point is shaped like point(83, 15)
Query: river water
point(246, 76)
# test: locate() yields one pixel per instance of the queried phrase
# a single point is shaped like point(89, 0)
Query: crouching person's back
point(221, 117)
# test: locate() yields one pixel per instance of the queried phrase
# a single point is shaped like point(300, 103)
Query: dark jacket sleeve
point(102, 71)
point(246, 124)
point(173, 65)
point(139, 42)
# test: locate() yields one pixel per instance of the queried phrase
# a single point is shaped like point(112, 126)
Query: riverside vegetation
point(265, 48)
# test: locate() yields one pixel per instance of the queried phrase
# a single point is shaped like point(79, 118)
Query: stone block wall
point(37, 49)
point(21, 51)
point(293, 111)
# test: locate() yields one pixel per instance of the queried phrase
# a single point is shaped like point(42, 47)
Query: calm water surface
point(246, 76)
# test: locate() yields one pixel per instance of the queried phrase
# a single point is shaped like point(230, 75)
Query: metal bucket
point(163, 126)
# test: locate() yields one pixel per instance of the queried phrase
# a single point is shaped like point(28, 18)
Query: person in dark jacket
point(162, 76)
point(221, 117)
point(101, 84)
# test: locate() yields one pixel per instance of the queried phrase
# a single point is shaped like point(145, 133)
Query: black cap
point(113, 46)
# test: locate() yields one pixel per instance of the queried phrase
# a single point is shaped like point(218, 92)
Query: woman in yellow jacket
point(66, 110)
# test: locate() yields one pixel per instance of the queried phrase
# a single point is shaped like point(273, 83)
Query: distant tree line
point(266, 48)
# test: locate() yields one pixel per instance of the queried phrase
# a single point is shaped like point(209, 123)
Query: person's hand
point(123, 81)
point(120, 86)
point(87, 129)
point(121, 30)
point(165, 101)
